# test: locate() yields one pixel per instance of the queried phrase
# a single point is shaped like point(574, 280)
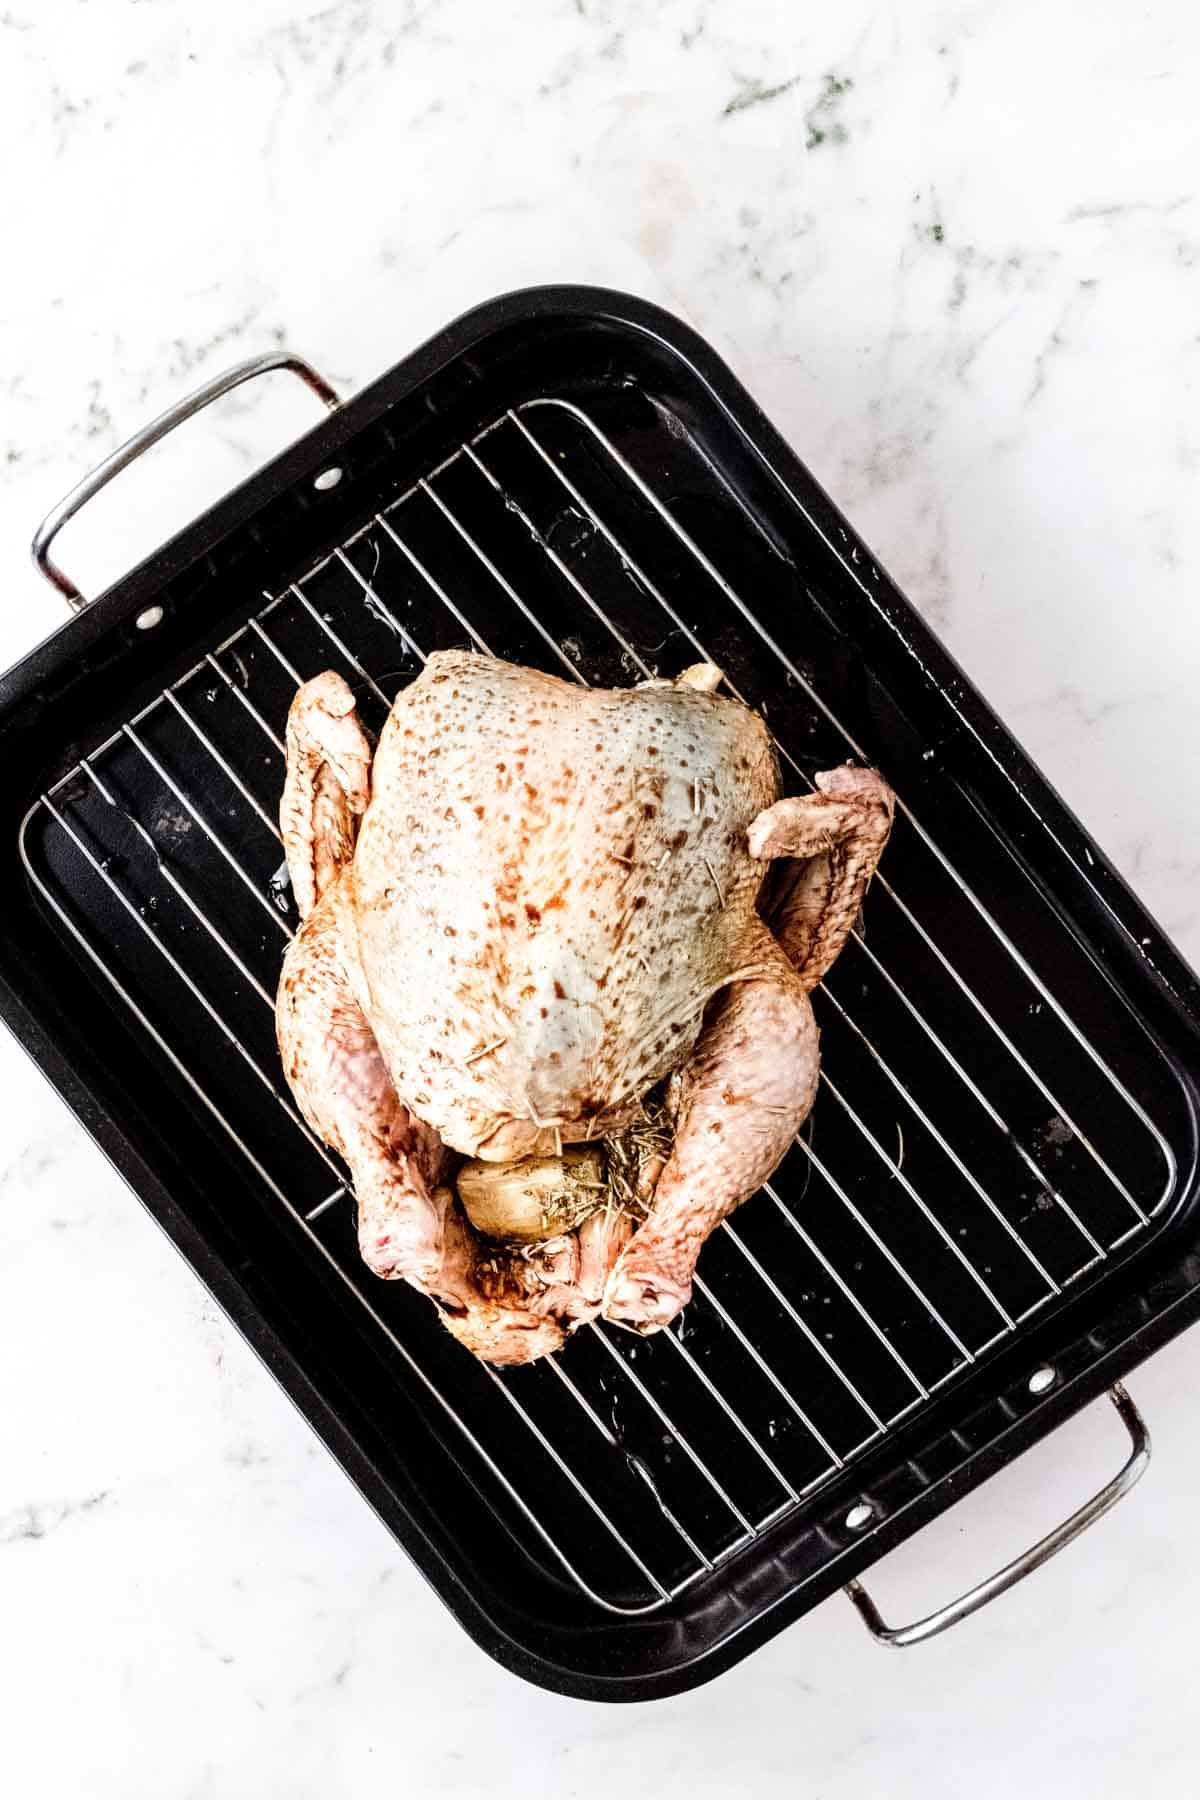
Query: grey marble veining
point(954, 249)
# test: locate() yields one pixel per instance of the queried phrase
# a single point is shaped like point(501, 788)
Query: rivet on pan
point(147, 620)
point(328, 478)
point(1041, 1379)
point(859, 1515)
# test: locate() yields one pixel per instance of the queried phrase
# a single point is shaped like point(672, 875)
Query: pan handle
point(128, 452)
point(1134, 1468)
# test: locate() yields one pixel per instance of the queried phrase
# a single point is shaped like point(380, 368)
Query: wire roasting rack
point(972, 1157)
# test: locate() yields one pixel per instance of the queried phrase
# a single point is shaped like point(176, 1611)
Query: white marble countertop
point(954, 249)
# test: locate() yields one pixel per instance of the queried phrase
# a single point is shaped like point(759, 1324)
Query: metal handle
point(1033, 1558)
point(128, 452)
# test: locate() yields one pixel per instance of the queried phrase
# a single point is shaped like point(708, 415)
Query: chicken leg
point(329, 1052)
point(742, 1098)
point(753, 1075)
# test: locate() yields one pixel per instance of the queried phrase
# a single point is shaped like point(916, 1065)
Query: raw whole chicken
point(534, 906)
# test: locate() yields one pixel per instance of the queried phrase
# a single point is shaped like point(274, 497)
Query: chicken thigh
point(530, 907)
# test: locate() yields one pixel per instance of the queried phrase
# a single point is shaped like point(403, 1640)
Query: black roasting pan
point(991, 1217)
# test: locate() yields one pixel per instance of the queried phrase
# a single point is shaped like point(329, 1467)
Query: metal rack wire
point(866, 1276)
